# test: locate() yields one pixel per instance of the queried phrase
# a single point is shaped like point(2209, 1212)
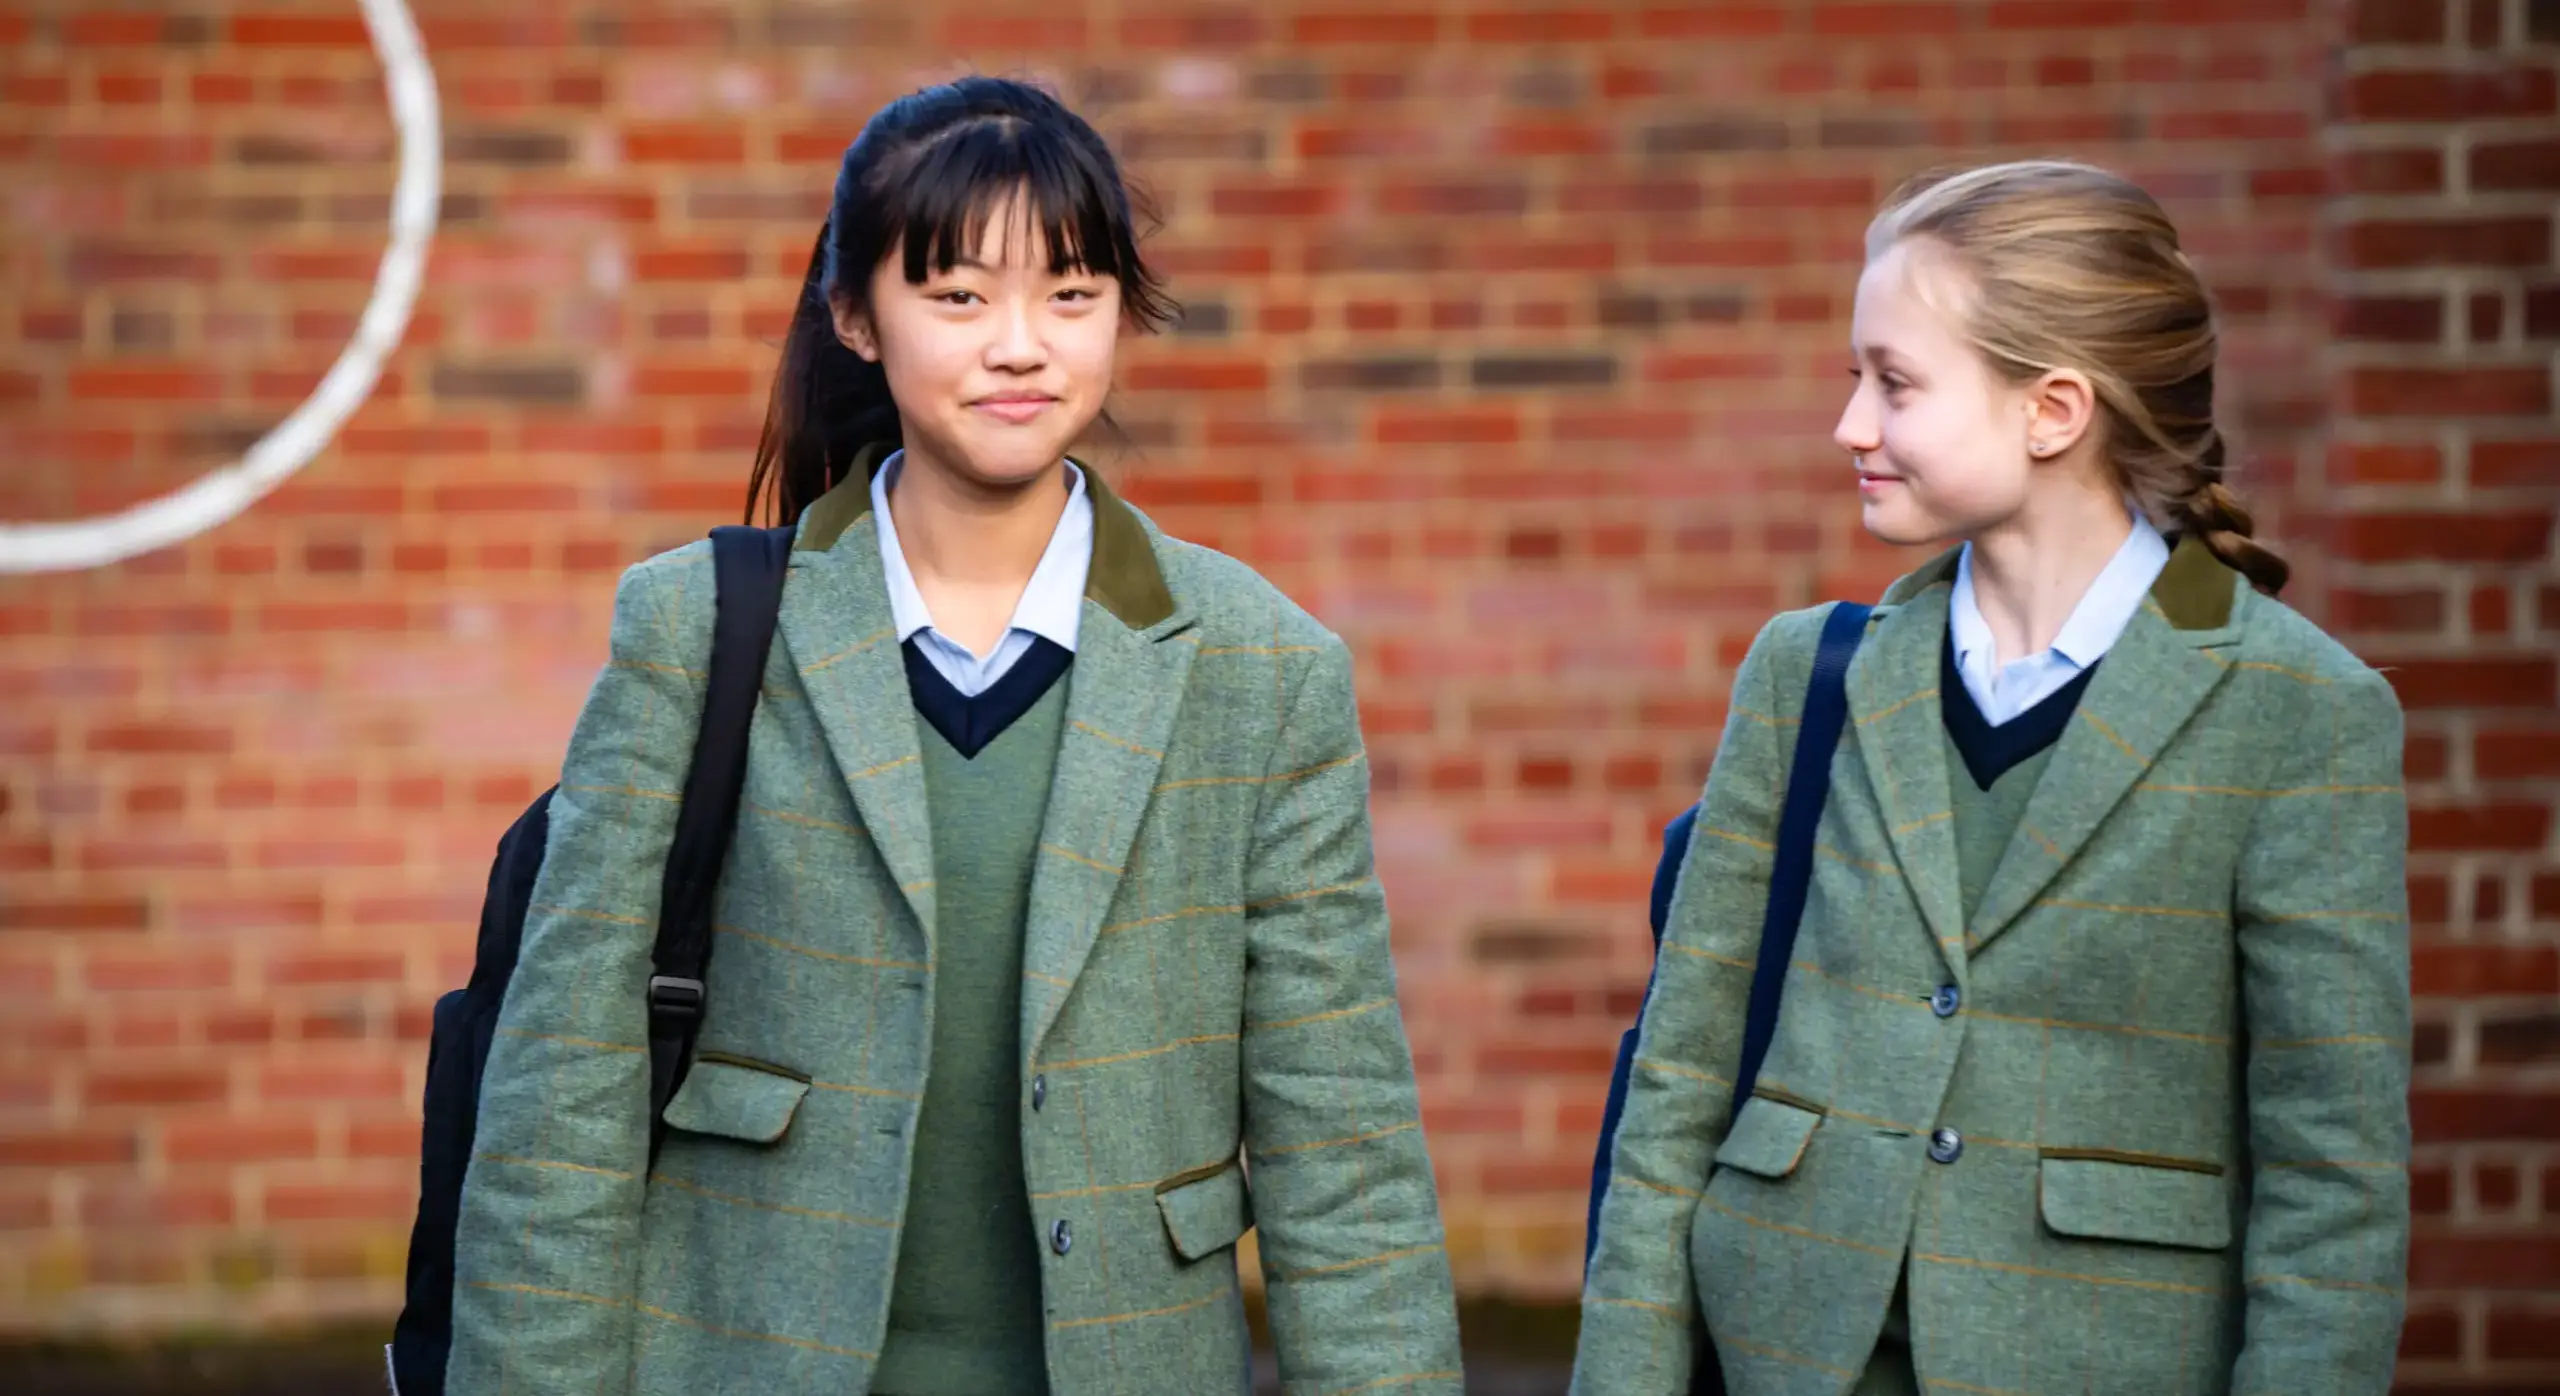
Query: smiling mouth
point(1014, 409)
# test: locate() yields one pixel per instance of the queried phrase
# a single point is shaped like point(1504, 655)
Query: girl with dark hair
point(1050, 904)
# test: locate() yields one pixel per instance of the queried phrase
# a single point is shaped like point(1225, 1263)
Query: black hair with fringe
point(921, 181)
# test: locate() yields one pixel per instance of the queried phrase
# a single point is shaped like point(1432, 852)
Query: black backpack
point(748, 566)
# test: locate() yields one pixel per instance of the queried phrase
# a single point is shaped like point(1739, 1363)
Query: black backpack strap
point(748, 565)
point(1826, 710)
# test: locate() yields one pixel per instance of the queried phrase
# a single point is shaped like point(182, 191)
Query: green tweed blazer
point(2176, 1062)
point(1207, 989)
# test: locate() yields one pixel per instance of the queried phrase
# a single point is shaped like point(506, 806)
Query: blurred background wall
point(1514, 337)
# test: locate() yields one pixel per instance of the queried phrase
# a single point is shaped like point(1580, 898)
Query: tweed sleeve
point(1639, 1302)
point(2323, 931)
point(1352, 1256)
point(546, 1251)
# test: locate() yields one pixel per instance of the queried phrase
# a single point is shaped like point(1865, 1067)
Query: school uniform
point(2091, 1070)
point(1016, 955)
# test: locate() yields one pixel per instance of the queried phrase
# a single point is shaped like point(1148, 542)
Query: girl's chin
point(1895, 526)
point(1002, 462)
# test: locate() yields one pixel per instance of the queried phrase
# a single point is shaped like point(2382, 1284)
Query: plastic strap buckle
point(672, 997)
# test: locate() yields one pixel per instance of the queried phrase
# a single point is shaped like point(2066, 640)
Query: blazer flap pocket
point(2113, 1200)
point(1768, 1137)
point(1205, 1215)
point(734, 1101)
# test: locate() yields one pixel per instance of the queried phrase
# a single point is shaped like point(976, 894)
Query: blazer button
point(1039, 1091)
point(1062, 1237)
point(1945, 1146)
point(1946, 1001)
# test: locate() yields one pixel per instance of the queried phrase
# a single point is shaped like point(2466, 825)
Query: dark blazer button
point(1945, 1146)
point(1039, 1091)
point(1946, 1001)
point(1062, 1237)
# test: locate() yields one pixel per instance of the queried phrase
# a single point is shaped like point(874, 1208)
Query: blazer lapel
point(837, 628)
point(1123, 694)
point(1901, 743)
point(2151, 681)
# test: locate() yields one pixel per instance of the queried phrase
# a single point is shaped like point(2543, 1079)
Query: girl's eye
point(955, 297)
point(1076, 293)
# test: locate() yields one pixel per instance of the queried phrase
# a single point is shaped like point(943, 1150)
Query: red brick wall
point(1515, 338)
point(2437, 495)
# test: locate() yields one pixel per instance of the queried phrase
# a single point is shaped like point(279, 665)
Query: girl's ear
point(853, 328)
point(2061, 410)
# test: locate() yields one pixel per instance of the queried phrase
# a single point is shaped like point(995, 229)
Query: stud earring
point(2040, 447)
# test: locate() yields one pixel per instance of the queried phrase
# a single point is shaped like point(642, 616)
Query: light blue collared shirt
point(1052, 604)
point(2095, 625)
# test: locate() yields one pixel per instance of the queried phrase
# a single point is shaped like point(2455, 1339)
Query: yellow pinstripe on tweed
point(1205, 977)
point(2178, 1061)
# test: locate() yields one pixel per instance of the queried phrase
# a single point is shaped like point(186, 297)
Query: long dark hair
point(923, 178)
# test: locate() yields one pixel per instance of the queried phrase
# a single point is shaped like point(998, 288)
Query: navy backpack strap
point(1826, 707)
point(748, 565)
point(1666, 874)
point(1826, 710)
point(1666, 878)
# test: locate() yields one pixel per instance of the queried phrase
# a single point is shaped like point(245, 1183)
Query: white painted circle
point(220, 495)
